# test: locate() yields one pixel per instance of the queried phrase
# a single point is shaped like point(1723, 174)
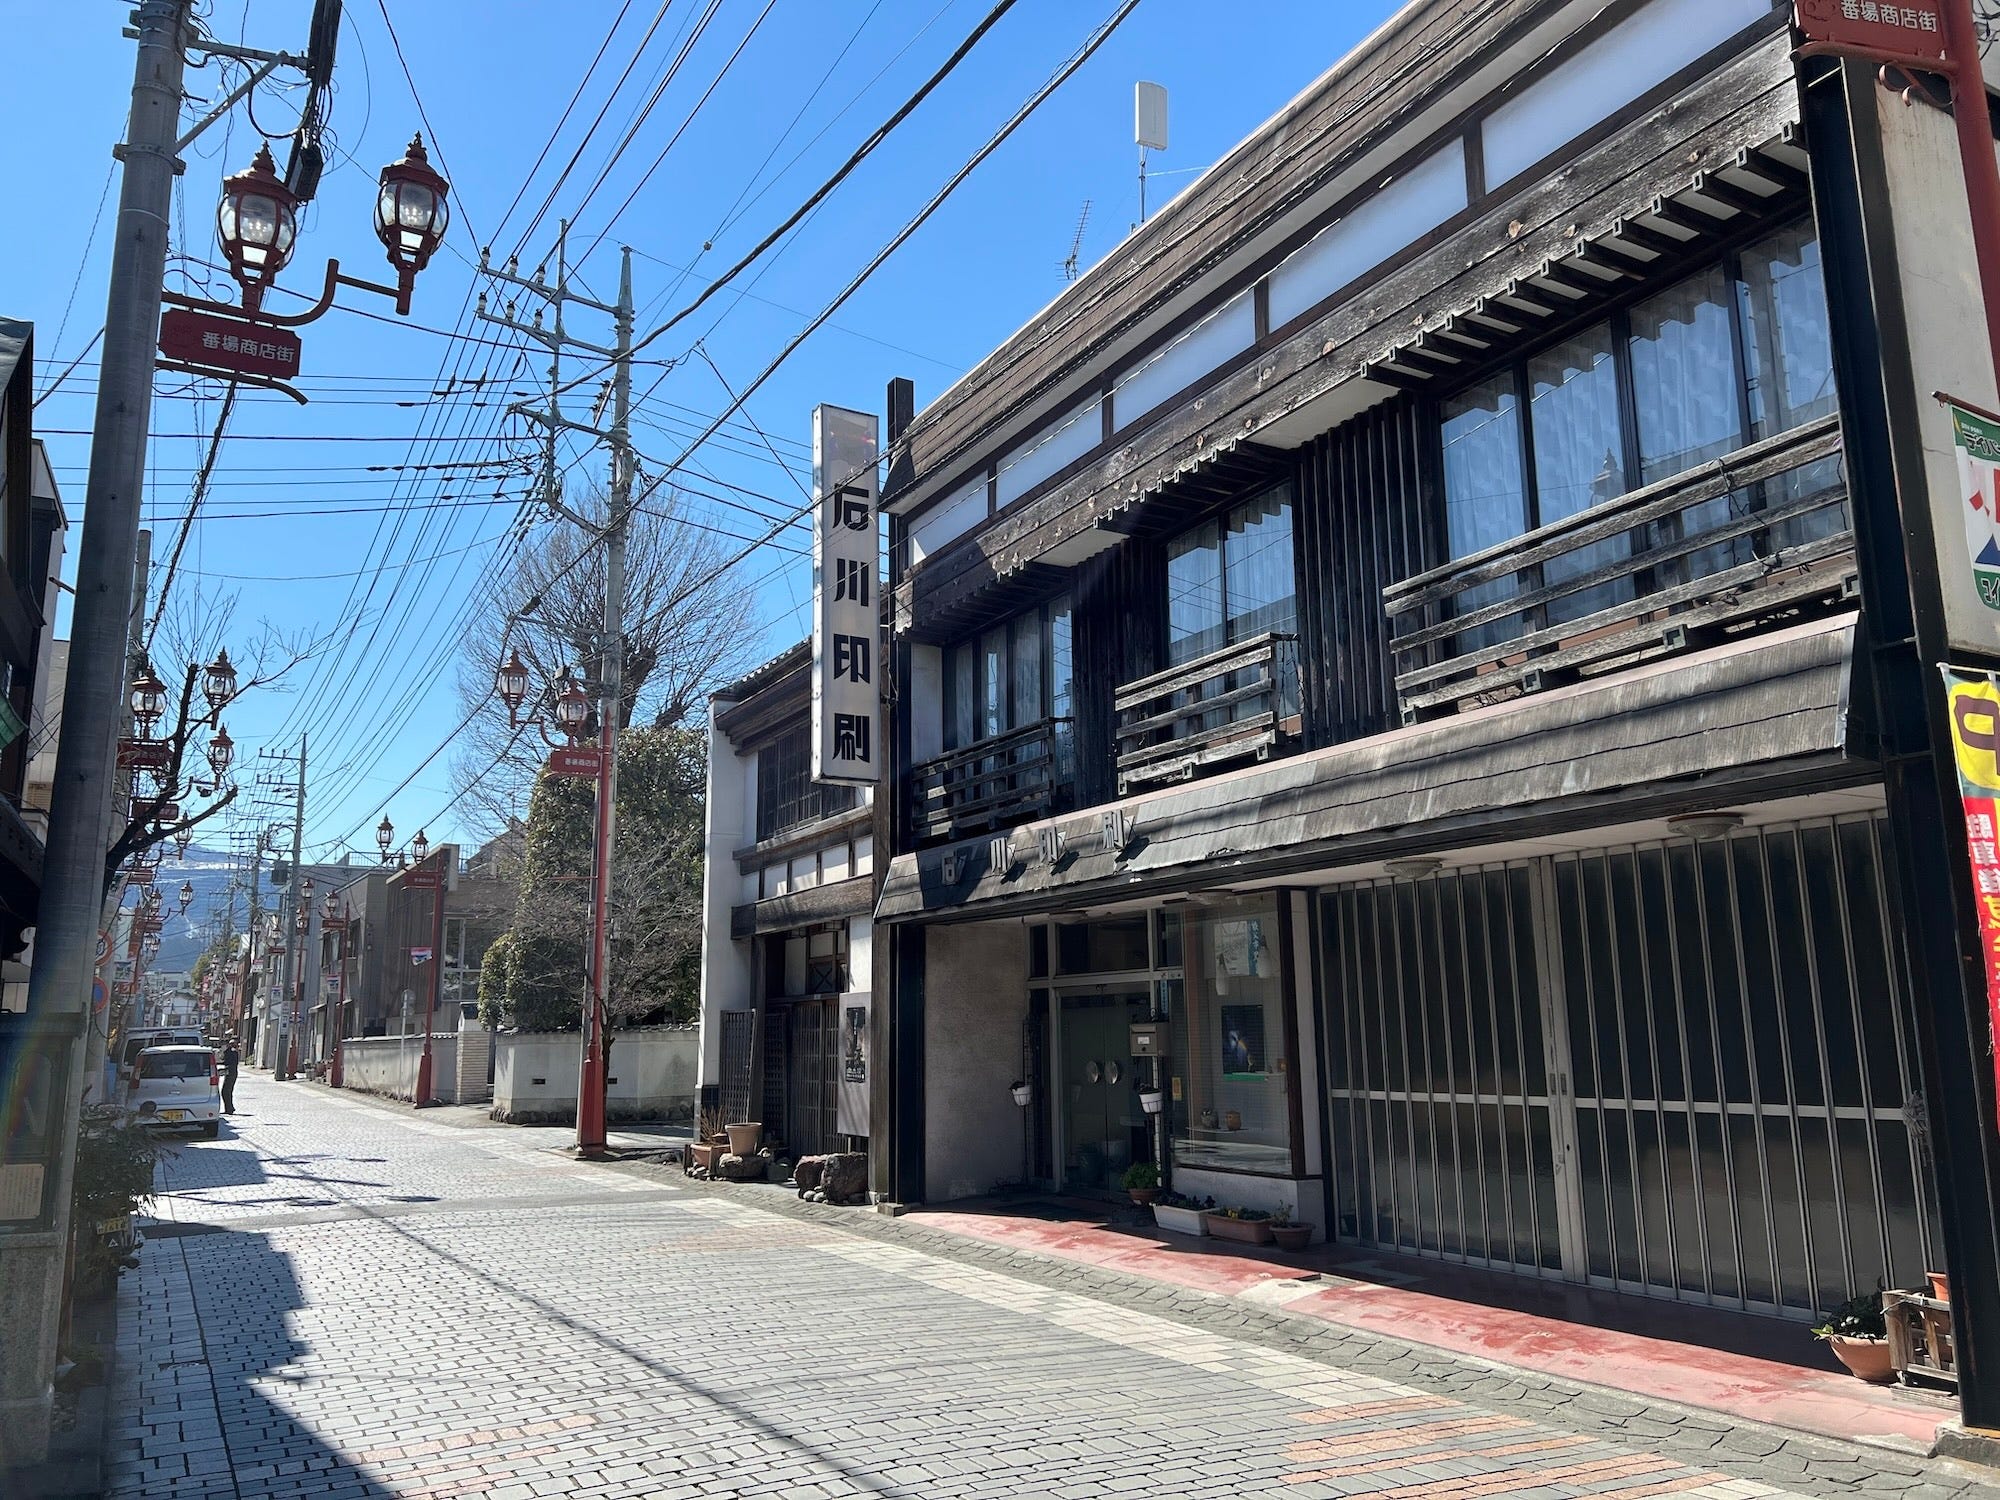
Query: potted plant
point(1181, 1214)
point(1290, 1234)
point(744, 1139)
point(1152, 1100)
point(1860, 1338)
point(1246, 1226)
point(1023, 1092)
point(1142, 1182)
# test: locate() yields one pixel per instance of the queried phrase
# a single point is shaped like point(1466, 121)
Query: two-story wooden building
point(1404, 619)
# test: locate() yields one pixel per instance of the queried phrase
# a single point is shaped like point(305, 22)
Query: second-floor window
point(1734, 353)
point(1016, 674)
point(787, 796)
point(1231, 578)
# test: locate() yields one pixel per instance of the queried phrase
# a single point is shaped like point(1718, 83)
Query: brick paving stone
point(351, 1302)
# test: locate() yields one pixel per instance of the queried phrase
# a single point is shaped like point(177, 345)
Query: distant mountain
point(212, 874)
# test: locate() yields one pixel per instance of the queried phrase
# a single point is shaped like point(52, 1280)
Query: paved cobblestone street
point(347, 1301)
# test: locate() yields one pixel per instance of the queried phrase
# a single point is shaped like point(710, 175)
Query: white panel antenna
point(1149, 129)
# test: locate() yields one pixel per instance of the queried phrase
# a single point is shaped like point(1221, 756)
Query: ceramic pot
point(1292, 1236)
point(1866, 1358)
point(744, 1139)
point(1180, 1220)
point(1232, 1120)
point(1940, 1285)
point(1142, 1196)
point(1242, 1231)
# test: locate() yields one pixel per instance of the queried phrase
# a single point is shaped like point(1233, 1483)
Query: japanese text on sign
point(1974, 698)
point(847, 743)
point(1875, 28)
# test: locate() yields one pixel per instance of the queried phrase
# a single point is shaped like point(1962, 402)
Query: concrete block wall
point(652, 1076)
point(388, 1065)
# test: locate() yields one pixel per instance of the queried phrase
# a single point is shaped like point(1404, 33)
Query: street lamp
point(148, 700)
point(512, 684)
point(331, 913)
point(218, 683)
point(385, 836)
point(257, 221)
point(411, 216)
point(187, 895)
point(420, 847)
point(221, 751)
point(572, 705)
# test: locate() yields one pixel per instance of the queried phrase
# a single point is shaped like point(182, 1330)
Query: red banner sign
point(1974, 697)
point(1912, 32)
point(144, 755)
point(203, 338)
point(572, 760)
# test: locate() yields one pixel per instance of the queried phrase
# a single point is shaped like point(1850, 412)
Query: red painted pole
point(590, 1129)
point(1975, 148)
point(422, 1093)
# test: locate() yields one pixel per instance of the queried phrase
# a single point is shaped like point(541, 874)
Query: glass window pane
point(1786, 343)
point(1485, 492)
point(1257, 563)
point(1234, 1070)
point(1026, 642)
point(1684, 376)
point(961, 697)
point(993, 682)
point(1062, 688)
point(1195, 625)
point(1579, 458)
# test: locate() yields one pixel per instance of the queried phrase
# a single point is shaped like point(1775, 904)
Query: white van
point(178, 1086)
point(153, 1036)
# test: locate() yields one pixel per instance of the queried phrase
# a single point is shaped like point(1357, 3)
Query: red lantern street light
point(181, 841)
point(420, 847)
point(187, 895)
point(411, 216)
point(221, 751)
point(332, 912)
point(148, 700)
point(218, 683)
point(385, 835)
point(512, 684)
point(572, 705)
point(257, 222)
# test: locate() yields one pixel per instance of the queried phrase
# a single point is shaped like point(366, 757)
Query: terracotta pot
point(1142, 1196)
point(705, 1155)
point(1242, 1231)
point(1866, 1358)
point(1940, 1285)
point(1292, 1236)
point(744, 1139)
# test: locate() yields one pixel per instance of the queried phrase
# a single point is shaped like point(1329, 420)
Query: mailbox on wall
point(1149, 1038)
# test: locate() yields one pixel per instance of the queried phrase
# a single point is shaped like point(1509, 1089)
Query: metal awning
point(1759, 717)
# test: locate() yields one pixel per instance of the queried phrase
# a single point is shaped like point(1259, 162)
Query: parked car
point(154, 1036)
point(178, 1086)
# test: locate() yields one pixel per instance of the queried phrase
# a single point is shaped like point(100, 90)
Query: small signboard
point(1912, 33)
point(420, 955)
point(144, 755)
point(222, 343)
point(572, 760)
point(856, 1050)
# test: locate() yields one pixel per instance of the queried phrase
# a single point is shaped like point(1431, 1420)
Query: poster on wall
point(1243, 1041)
point(1975, 742)
point(851, 1107)
point(1975, 438)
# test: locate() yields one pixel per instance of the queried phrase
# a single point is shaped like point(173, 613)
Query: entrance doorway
point(1101, 1128)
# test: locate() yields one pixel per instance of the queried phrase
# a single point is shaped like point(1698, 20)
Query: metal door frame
point(1132, 981)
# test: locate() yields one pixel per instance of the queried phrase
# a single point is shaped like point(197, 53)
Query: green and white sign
point(1977, 442)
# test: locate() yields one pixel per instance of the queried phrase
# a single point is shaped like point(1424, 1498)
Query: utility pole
point(72, 895)
point(590, 1122)
point(285, 1057)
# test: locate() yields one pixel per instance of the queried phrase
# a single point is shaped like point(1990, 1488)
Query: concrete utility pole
point(590, 1122)
point(72, 896)
point(284, 1058)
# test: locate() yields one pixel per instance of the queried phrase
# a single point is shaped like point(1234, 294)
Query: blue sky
point(335, 521)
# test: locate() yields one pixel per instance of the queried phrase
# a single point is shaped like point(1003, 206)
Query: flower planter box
point(706, 1154)
point(1242, 1231)
point(1179, 1220)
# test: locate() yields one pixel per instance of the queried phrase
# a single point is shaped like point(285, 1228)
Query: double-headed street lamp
point(569, 706)
point(333, 920)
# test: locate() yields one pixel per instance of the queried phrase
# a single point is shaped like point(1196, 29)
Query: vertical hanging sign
point(847, 634)
point(1974, 698)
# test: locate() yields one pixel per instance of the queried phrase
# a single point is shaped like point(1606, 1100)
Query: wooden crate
point(1920, 1346)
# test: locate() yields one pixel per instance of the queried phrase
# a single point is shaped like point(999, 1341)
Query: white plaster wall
point(975, 999)
point(388, 1065)
point(653, 1073)
point(725, 963)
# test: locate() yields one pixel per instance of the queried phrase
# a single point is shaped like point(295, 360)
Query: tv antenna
point(1149, 129)
point(1076, 243)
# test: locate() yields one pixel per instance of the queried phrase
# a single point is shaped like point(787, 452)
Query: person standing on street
point(230, 1060)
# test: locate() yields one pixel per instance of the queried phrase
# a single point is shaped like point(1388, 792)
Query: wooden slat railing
point(1450, 653)
point(1226, 706)
point(1009, 779)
